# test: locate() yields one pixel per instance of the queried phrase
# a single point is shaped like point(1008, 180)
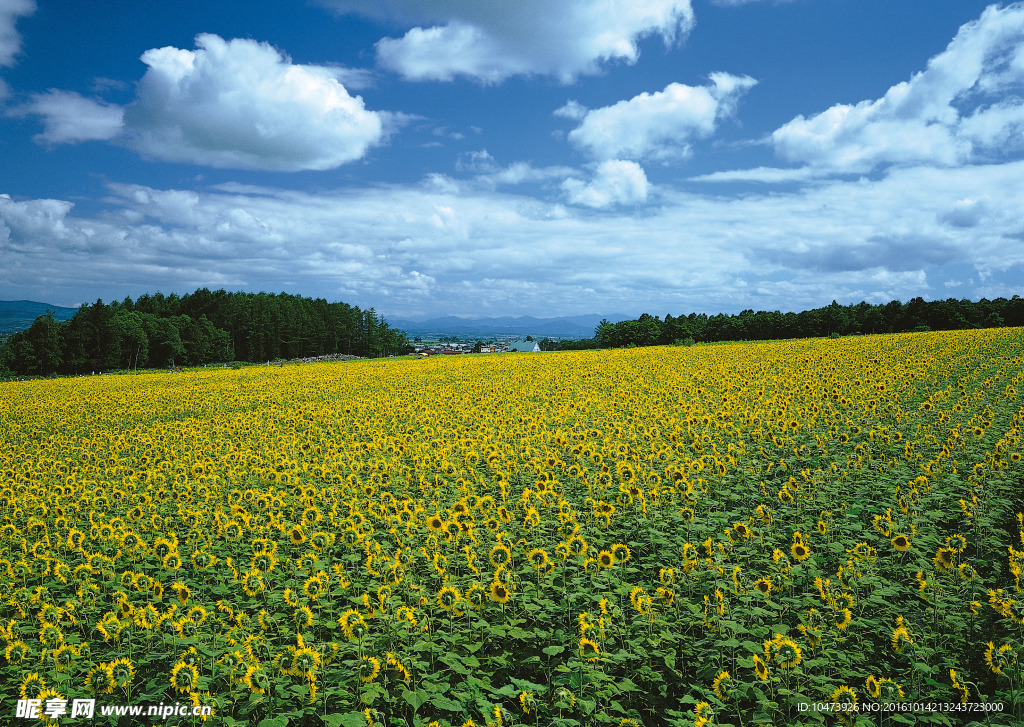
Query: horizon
point(437, 159)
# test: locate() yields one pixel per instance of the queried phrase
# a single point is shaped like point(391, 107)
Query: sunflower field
point(780, 533)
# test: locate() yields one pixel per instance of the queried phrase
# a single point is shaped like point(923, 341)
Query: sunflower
point(527, 701)
point(943, 559)
point(303, 617)
point(263, 562)
point(476, 596)
point(636, 597)
point(16, 652)
point(63, 657)
point(901, 543)
point(500, 556)
point(256, 679)
point(406, 615)
point(783, 650)
point(589, 650)
point(539, 560)
point(306, 661)
point(253, 583)
point(448, 598)
point(32, 686)
point(999, 659)
point(395, 665)
point(435, 523)
point(605, 559)
point(184, 677)
point(499, 592)
point(50, 636)
point(846, 697)
point(369, 668)
point(723, 686)
point(889, 690)
point(800, 551)
point(99, 681)
point(352, 623)
point(315, 585)
point(621, 552)
point(871, 685)
point(50, 695)
point(965, 695)
point(763, 585)
point(121, 671)
point(956, 543)
point(900, 636)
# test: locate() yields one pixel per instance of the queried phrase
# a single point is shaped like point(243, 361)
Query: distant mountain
point(563, 327)
point(18, 315)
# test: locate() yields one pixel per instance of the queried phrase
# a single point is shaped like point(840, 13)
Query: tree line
point(194, 329)
point(831, 320)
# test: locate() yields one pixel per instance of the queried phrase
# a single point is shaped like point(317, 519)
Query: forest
point(831, 320)
point(195, 329)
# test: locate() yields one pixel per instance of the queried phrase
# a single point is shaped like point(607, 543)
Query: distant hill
point(563, 327)
point(18, 315)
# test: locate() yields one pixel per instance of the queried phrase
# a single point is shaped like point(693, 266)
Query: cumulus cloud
point(943, 116)
point(572, 110)
point(242, 104)
point(10, 41)
point(660, 125)
point(616, 182)
point(236, 104)
point(491, 41)
point(70, 117)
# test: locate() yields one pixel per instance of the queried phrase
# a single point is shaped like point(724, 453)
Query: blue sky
point(433, 157)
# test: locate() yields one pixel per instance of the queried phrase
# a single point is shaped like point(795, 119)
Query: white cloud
point(447, 247)
point(10, 41)
point(489, 175)
point(760, 174)
point(572, 109)
point(660, 125)
point(70, 117)
point(491, 41)
point(242, 104)
point(920, 120)
point(237, 104)
point(615, 182)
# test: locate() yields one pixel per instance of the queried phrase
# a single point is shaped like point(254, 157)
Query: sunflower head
point(369, 668)
point(723, 686)
point(760, 668)
point(589, 650)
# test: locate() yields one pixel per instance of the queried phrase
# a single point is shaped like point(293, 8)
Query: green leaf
point(349, 719)
point(415, 699)
point(445, 703)
point(553, 650)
